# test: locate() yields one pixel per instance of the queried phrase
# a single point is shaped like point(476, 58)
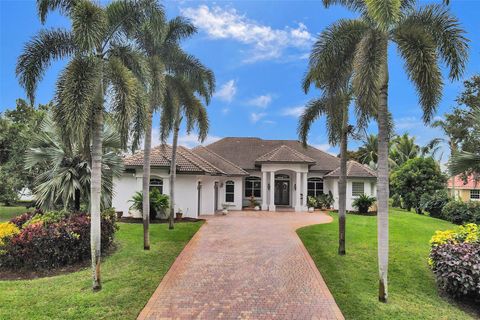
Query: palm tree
point(65, 178)
point(180, 101)
point(403, 148)
point(158, 41)
point(335, 108)
point(368, 151)
point(81, 89)
point(423, 37)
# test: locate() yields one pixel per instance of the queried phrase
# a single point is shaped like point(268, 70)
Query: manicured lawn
point(353, 280)
point(130, 276)
point(6, 213)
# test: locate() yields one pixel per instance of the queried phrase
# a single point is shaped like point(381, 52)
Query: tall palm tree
point(92, 69)
point(180, 101)
point(368, 151)
point(159, 42)
point(403, 148)
point(424, 36)
point(335, 108)
point(65, 178)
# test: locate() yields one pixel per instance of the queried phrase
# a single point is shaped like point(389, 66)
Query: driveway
point(245, 265)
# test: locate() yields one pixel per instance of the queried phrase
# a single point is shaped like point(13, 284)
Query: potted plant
point(225, 209)
point(179, 214)
point(363, 203)
point(254, 203)
point(311, 203)
point(159, 203)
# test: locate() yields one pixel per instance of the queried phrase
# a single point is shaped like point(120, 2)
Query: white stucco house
point(280, 174)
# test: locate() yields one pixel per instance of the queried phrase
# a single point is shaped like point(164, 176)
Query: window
point(156, 184)
point(315, 187)
point(475, 194)
point(253, 186)
point(229, 191)
point(357, 189)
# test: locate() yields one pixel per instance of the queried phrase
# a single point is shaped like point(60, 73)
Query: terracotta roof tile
point(228, 167)
point(354, 170)
point(284, 154)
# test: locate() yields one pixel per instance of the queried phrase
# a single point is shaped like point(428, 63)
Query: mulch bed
point(155, 221)
point(25, 274)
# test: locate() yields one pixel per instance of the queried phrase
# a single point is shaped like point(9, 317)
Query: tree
point(92, 70)
point(180, 101)
point(403, 148)
point(416, 177)
point(424, 36)
point(159, 42)
point(65, 179)
point(368, 151)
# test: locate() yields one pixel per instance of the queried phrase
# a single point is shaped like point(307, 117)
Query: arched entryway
point(282, 190)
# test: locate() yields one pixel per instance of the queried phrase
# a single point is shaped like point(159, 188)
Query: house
point(464, 189)
point(279, 174)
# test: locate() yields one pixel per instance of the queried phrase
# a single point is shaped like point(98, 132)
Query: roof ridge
point(219, 156)
point(201, 159)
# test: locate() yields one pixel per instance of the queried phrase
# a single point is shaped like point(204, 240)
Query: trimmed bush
point(51, 242)
point(363, 203)
point(456, 268)
point(433, 203)
point(7, 230)
point(462, 212)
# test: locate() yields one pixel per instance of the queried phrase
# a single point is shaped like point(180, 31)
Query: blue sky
point(259, 53)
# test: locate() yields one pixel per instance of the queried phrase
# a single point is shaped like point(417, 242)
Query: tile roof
point(245, 151)
point(470, 183)
point(284, 154)
point(354, 170)
point(161, 156)
point(228, 167)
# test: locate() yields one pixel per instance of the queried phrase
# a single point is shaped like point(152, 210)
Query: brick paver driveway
point(246, 265)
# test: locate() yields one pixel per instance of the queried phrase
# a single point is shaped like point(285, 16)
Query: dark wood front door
point(282, 192)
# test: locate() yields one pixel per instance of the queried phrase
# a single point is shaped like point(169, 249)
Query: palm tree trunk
point(173, 169)
point(452, 151)
point(77, 200)
point(146, 181)
point(382, 188)
point(342, 184)
point(96, 189)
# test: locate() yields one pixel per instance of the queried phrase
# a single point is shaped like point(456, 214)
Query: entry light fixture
point(294, 186)
point(268, 186)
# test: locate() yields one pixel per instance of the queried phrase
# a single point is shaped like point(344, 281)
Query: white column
point(264, 191)
point(271, 206)
point(304, 191)
point(298, 190)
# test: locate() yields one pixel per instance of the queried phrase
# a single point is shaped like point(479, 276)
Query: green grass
point(129, 278)
point(353, 279)
point(6, 213)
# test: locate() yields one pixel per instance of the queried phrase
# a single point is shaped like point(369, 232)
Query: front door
point(282, 192)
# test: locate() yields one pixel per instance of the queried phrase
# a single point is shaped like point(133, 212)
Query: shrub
point(159, 203)
point(433, 203)
point(456, 268)
point(47, 218)
point(20, 220)
point(7, 230)
point(461, 212)
point(363, 202)
point(311, 202)
point(463, 234)
point(54, 244)
point(396, 201)
point(325, 201)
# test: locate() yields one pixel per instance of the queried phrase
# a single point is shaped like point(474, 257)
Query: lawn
point(6, 213)
point(353, 279)
point(129, 276)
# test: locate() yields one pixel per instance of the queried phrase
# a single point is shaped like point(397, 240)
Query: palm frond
point(38, 53)
point(132, 58)
point(44, 6)
point(462, 162)
point(419, 52)
point(179, 28)
point(355, 5)
point(384, 12)
point(89, 23)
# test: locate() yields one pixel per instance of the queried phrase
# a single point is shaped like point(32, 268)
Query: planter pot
point(224, 211)
point(179, 215)
point(311, 209)
point(119, 214)
point(257, 208)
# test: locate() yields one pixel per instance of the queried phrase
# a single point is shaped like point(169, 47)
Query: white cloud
point(266, 42)
point(261, 101)
point(191, 140)
point(293, 112)
point(255, 117)
point(322, 146)
point(227, 91)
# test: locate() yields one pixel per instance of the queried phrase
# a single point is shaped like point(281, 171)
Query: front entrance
point(282, 190)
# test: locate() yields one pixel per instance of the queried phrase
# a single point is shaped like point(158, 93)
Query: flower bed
point(455, 260)
point(36, 241)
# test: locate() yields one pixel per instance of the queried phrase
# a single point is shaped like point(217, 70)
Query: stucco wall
point(331, 184)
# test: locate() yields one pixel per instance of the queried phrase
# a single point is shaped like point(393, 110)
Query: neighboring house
point(464, 189)
point(280, 174)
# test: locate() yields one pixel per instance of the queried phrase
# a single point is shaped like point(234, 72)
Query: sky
point(259, 52)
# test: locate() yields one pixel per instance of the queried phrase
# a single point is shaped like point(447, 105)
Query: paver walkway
point(246, 265)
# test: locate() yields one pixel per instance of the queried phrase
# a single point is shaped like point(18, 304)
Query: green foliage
point(460, 212)
point(311, 202)
point(47, 217)
point(159, 203)
point(363, 203)
point(433, 203)
point(325, 201)
point(467, 233)
point(396, 201)
point(417, 177)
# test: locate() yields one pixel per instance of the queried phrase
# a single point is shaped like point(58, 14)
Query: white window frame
point(252, 180)
point(355, 193)
point(315, 180)
point(157, 183)
point(228, 183)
